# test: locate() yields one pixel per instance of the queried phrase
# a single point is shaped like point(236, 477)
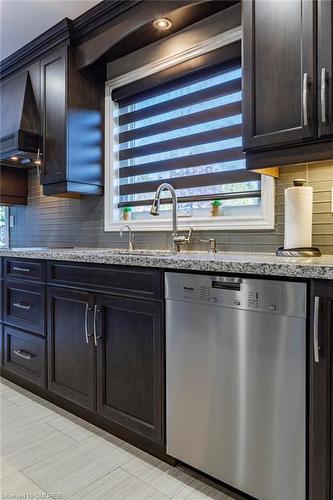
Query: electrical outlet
point(11, 220)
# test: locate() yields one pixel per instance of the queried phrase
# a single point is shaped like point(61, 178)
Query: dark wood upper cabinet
point(278, 73)
point(71, 366)
point(325, 68)
point(71, 120)
point(320, 392)
point(130, 364)
point(54, 117)
point(13, 186)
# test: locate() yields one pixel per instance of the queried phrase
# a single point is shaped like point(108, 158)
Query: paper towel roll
point(298, 216)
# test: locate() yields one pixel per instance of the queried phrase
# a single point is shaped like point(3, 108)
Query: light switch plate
point(11, 220)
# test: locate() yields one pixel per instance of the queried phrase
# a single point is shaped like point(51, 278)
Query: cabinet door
point(325, 68)
point(71, 364)
point(54, 73)
point(130, 368)
point(320, 400)
point(278, 73)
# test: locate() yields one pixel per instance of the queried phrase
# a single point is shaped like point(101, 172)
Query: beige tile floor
point(45, 449)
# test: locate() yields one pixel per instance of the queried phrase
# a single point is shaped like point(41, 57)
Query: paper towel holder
point(298, 252)
point(302, 251)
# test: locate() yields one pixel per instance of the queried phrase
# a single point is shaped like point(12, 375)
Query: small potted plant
point(215, 210)
point(126, 213)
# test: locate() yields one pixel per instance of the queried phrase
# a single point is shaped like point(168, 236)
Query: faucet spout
point(155, 210)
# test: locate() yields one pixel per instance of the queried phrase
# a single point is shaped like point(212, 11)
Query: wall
point(49, 221)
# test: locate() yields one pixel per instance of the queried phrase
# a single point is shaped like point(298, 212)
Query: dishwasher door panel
point(236, 397)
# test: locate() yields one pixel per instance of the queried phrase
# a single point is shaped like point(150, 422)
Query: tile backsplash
point(51, 221)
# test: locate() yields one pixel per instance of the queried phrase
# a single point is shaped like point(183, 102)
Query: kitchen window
point(4, 226)
point(181, 124)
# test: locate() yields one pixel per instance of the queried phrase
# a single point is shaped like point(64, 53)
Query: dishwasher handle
point(227, 285)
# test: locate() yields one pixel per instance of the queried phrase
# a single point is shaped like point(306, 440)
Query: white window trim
point(6, 245)
point(264, 221)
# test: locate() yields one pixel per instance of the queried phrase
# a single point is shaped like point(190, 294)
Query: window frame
point(263, 221)
point(6, 245)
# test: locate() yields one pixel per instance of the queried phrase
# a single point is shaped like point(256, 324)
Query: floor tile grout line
point(39, 486)
point(63, 433)
point(12, 402)
point(94, 481)
point(46, 458)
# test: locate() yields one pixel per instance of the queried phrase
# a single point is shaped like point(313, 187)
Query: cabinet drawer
point(24, 306)
point(24, 355)
point(32, 270)
point(129, 281)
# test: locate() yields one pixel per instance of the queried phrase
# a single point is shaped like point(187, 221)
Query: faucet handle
point(212, 245)
point(131, 242)
point(189, 235)
point(181, 239)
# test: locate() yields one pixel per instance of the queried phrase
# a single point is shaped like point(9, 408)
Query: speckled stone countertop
point(240, 263)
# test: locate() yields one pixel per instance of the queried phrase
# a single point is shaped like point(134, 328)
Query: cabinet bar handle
point(21, 306)
point(23, 354)
point(87, 335)
point(323, 95)
point(38, 163)
point(316, 330)
point(305, 99)
point(96, 337)
point(21, 269)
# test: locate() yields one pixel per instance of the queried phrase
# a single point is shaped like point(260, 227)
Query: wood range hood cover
point(19, 134)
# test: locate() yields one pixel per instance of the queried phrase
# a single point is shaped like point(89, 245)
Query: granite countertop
point(240, 263)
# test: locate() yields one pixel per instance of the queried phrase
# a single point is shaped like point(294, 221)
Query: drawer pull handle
point(21, 269)
point(26, 307)
point(23, 354)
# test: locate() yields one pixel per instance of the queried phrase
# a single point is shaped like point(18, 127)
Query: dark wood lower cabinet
point(321, 392)
point(130, 360)
point(119, 371)
point(71, 355)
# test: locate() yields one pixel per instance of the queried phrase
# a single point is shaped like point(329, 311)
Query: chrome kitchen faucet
point(177, 239)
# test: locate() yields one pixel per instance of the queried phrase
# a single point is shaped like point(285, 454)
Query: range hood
point(19, 137)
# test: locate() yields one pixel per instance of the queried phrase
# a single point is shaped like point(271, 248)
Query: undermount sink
point(137, 253)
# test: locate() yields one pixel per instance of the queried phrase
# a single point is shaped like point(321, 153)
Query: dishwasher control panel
point(240, 296)
point(239, 293)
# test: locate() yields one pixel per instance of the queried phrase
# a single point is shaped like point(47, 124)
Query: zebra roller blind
point(186, 132)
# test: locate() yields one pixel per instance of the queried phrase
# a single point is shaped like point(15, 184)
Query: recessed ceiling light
point(14, 158)
point(162, 24)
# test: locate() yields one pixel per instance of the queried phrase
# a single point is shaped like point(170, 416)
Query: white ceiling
point(23, 20)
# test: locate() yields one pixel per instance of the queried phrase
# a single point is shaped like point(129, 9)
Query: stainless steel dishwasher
point(235, 361)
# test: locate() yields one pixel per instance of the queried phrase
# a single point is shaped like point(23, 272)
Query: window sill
point(250, 223)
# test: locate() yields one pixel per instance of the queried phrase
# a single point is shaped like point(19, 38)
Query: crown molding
point(59, 33)
point(67, 30)
point(89, 22)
